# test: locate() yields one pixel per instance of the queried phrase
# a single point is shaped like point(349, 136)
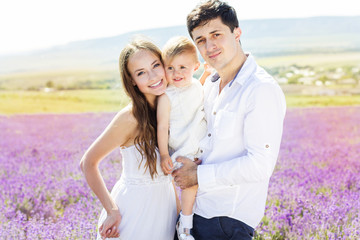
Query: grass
point(21, 102)
point(321, 101)
point(15, 101)
point(66, 79)
point(79, 101)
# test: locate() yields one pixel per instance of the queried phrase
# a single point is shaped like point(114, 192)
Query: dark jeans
point(220, 228)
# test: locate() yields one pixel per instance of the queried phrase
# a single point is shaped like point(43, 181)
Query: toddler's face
point(180, 70)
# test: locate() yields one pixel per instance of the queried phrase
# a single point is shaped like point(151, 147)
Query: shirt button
point(214, 113)
point(201, 151)
point(209, 135)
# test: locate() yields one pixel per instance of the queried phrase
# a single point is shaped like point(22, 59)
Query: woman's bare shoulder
point(125, 118)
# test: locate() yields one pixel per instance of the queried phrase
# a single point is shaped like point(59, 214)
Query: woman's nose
point(152, 74)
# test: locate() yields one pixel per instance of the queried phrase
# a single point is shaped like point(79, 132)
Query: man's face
point(216, 43)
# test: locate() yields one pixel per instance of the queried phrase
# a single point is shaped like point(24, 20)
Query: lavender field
point(314, 192)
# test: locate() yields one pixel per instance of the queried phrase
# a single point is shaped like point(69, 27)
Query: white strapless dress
point(147, 206)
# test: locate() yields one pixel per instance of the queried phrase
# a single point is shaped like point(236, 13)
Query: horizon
point(41, 24)
point(35, 50)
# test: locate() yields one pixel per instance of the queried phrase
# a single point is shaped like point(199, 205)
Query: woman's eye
point(140, 73)
point(156, 65)
point(170, 68)
point(182, 67)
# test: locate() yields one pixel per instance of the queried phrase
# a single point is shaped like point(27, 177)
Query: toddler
point(181, 118)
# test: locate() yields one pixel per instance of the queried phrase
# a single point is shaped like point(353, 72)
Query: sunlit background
point(60, 87)
point(28, 25)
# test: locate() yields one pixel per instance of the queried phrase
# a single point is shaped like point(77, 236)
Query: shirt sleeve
point(263, 126)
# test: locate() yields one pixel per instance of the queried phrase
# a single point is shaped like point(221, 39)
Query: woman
point(142, 204)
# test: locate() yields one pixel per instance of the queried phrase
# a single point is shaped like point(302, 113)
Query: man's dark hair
point(209, 10)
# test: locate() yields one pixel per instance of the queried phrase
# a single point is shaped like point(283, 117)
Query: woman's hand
point(166, 164)
point(110, 227)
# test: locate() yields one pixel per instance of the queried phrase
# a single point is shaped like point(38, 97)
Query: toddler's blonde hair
point(176, 46)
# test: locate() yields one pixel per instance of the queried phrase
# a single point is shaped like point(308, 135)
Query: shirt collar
point(244, 73)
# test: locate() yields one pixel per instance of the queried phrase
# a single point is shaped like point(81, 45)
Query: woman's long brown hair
point(145, 115)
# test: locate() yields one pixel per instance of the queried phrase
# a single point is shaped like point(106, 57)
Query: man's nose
point(210, 45)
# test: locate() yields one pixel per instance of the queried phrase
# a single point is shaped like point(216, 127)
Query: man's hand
point(186, 176)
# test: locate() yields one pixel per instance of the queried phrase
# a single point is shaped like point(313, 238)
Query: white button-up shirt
point(240, 149)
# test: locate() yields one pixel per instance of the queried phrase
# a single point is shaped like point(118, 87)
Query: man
point(245, 109)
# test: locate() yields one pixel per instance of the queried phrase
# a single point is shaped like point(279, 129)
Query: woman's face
point(147, 73)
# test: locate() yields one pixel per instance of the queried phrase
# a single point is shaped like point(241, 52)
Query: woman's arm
point(117, 133)
point(163, 118)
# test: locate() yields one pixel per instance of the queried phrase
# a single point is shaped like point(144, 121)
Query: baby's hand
point(207, 72)
point(166, 164)
point(207, 69)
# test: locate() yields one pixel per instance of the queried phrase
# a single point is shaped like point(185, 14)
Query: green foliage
point(49, 84)
point(71, 101)
point(294, 79)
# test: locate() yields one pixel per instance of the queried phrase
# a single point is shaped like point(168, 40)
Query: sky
point(27, 25)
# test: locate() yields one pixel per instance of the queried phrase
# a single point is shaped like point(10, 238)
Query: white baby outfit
point(187, 120)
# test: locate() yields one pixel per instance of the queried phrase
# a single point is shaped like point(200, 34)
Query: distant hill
point(266, 37)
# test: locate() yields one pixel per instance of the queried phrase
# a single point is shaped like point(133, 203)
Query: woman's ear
point(133, 82)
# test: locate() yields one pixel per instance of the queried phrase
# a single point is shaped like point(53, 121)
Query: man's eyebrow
point(198, 38)
point(212, 32)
